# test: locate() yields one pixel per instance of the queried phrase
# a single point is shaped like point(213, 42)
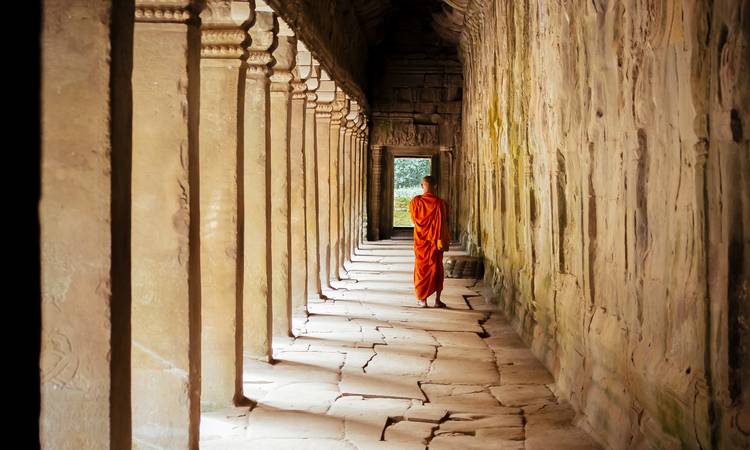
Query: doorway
point(407, 179)
point(415, 162)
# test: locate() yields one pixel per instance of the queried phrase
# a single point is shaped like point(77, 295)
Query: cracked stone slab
point(426, 413)
point(458, 339)
point(338, 341)
point(510, 433)
point(398, 359)
point(278, 444)
point(356, 359)
point(507, 341)
point(471, 426)
point(388, 386)
point(327, 360)
point(329, 323)
point(464, 442)
point(458, 398)
point(563, 438)
point(406, 431)
point(385, 445)
point(398, 335)
point(223, 423)
point(459, 370)
point(275, 375)
point(510, 356)
point(437, 325)
point(467, 353)
point(479, 303)
point(314, 398)
point(521, 394)
point(534, 373)
point(265, 422)
point(366, 418)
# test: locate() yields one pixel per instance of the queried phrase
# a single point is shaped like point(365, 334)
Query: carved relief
point(60, 364)
point(404, 132)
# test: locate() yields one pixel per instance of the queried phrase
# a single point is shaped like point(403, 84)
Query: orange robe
point(429, 214)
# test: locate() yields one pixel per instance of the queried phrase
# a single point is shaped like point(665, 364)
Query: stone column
point(359, 179)
point(340, 109)
point(355, 183)
point(224, 28)
point(165, 226)
point(84, 225)
point(373, 211)
point(281, 76)
point(446, 186)
point(255, 191)
point(347, 186)
point(365, 187)
point(311, 186)
point(326, 93)
point(297, 214)
point(346, 192)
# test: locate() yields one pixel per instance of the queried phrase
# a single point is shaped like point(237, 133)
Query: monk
point(429, 214)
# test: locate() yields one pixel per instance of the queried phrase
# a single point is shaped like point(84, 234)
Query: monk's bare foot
point(421, 304)
point(439, 304)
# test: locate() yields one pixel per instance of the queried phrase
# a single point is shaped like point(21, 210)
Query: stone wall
point(606, 168)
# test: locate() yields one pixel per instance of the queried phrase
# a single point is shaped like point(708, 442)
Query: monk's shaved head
point(427, 184)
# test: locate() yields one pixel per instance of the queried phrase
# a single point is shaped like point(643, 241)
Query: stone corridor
point(219, 264)
point(367, 370)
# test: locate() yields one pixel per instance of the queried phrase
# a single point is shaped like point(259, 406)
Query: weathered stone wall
point(606, 172)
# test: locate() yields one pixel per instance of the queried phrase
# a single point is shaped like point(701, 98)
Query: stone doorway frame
point(381, 180)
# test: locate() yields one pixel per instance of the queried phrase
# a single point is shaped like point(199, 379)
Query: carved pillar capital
point(326, 93)
point(323, 110)
point(284, 56)
point(224, 27)
point(340, 109)
point(261, 39)
point(167, 11)
point(281, 81)
point(311, 100)
point(299, 90)
point(257, 63)
point(311, 87)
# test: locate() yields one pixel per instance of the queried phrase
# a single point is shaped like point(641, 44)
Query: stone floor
point(368, 370)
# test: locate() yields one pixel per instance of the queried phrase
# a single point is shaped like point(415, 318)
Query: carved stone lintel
point(404, 132)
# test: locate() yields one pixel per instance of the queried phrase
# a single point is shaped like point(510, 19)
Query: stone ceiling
point(447, 16)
